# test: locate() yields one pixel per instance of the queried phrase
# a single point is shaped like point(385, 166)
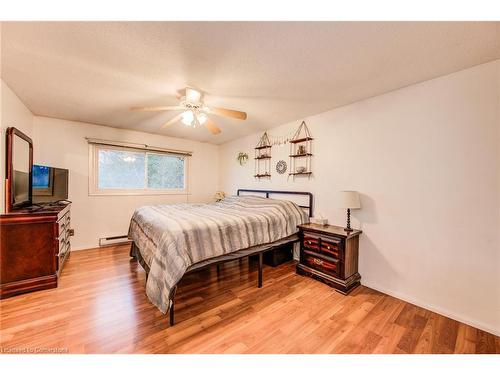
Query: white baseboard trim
point(439, 310)
point(91, 247)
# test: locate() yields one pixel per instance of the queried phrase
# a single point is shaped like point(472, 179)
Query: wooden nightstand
point(330, 255)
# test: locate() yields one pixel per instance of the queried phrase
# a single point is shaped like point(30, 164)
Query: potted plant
point(242, 158)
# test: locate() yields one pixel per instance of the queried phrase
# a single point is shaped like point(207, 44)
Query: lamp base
point(348, 227)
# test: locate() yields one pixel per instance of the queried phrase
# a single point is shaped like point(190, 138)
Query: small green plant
point(242, 158)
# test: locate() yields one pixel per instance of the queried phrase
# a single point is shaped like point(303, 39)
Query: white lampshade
point(349, 199)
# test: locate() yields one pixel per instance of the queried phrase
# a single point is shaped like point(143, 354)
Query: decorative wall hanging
point(301, 152)
point(280, 140)
point(263, 157)
point(281, 167)
point(242, 158)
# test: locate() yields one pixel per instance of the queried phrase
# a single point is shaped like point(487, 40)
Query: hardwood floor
point(100, 306)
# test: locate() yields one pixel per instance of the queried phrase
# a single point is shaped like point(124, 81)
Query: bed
point(172, 240)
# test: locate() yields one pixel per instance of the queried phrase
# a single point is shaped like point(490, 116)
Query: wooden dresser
point(34, 243)
point(330, 254)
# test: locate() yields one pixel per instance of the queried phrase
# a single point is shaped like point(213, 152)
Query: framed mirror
point(19, 164)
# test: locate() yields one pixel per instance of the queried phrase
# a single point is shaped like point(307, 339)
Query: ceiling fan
point(194, 111)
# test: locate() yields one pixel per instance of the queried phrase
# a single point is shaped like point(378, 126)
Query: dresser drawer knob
point(328, 247)
point(308, 242)
point(319, 262)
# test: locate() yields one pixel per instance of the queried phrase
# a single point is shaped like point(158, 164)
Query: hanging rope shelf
point(263, 157)
point(301, 152)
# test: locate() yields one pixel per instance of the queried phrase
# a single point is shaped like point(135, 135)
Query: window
point(118, 170)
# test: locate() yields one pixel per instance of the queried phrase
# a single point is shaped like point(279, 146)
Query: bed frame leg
point(260, 270)
point(172, 307)
point(172, 314)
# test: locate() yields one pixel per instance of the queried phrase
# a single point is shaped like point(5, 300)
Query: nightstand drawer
point(328, 246)
point(331, 247)
point(311, 243)
point(329, 267)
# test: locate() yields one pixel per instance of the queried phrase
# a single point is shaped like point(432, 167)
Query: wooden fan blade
point(154, 109)
point(210, 125)
point(172, 120)
point(228, 113)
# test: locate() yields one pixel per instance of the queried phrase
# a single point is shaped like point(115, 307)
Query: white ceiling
point(275, 71)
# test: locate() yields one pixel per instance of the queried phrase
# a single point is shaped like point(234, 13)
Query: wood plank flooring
point(100, 306)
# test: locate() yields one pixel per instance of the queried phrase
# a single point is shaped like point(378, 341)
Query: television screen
point(49, 184)
point(41, 179)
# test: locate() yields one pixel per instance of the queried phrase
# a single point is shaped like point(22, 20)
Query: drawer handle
point(319, 262)
point(328, 247)
point(309, 242)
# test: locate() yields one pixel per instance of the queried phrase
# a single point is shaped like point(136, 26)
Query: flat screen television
point(49, 184)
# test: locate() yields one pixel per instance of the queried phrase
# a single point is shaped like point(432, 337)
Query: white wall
point(426, 160)
point(12, 113)
point(62, 143)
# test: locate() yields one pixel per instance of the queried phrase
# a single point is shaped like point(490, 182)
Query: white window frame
point(94, 172)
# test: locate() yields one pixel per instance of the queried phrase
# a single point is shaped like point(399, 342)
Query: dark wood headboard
point(309, 206)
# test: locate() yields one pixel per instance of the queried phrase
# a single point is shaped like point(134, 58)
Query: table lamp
point(349, 200)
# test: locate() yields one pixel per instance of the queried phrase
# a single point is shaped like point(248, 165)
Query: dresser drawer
point(62, 245)
point(61, 230)
point(63, 226)
point(329, 267)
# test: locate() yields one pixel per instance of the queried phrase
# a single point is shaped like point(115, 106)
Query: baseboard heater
point(113, 241)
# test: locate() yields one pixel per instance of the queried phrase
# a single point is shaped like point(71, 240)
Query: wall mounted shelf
point(264, 175)
point(300, 155)
point(263, 158)
point(300, 140)
point(301, 152)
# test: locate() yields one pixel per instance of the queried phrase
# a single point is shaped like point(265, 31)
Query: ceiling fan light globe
point(202, 118)
point(187, 118)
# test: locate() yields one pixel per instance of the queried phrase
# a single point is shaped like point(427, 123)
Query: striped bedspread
point(180, 235)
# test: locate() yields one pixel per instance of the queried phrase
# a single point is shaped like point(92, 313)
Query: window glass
point(121, 169)
point(165, 171)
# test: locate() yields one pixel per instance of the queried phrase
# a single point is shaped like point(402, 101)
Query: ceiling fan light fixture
point(187, 118)
point(202, 118)
point(195, 112)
